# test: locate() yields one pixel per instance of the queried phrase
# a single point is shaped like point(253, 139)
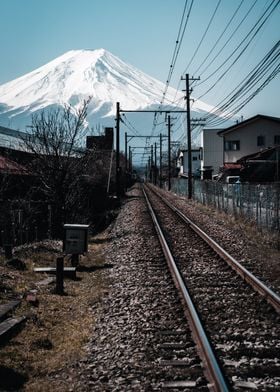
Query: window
point(276, 139)
point(194, 158)
point(260, 141)
point(232, 145)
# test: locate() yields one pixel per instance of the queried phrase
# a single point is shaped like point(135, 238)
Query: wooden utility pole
point(189, 139)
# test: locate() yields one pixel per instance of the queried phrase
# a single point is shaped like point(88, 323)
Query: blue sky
point(142, 33)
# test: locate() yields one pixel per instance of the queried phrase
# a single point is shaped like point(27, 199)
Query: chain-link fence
point(259, 203)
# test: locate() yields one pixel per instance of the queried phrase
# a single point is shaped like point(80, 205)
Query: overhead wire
point(267, 69)
point(207, 66)
point(228, 40)
point(219, 38)
point(128, 124)
point(269, 63)
point(179, 40)
point(258, 26)
point(203, 36)
point(251, 85)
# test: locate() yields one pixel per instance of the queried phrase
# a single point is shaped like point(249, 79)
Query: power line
point(258, 26)
point(176, 51)
point(227, 41)
point(207, 28)
point(219, 38)
point(268, 65)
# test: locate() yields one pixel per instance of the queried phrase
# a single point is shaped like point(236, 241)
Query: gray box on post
point(75, 239)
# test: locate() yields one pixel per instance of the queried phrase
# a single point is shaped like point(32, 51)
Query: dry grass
point(56, 330)
point(261, 241)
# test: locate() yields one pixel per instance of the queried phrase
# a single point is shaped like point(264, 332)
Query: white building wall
point(196, 159)
point(212, 149)
point(247, 136)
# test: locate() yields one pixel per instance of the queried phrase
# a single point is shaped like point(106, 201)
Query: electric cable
point(258, 26)
point(219, 38)
point(203, 36)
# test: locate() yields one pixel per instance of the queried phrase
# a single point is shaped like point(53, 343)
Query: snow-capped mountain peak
point(78, 74)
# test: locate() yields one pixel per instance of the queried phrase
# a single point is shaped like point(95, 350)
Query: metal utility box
point(75, 239)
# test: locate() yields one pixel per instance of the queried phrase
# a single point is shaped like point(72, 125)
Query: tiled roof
point(11, 167)
point(232, 165)
point(248, 121)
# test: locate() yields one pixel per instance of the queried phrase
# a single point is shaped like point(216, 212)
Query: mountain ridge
point(78, 74)
point(69, 74)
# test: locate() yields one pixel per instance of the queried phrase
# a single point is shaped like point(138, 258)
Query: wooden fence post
point(59, 275)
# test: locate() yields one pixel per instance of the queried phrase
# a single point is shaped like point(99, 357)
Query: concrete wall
point(212, 145)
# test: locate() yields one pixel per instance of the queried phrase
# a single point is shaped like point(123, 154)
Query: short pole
point(8, 251)
point(75, 260)
point(59, 275)
point(7, 245)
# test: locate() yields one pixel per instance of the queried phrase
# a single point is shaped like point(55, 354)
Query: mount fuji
point(78, 74)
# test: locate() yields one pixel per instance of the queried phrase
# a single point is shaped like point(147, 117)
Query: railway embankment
point(120, 322)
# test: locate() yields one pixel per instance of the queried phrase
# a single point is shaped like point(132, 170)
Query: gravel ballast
point(140, 307)
point(139, 317)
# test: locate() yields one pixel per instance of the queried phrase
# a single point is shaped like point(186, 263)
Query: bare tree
point(59, 160)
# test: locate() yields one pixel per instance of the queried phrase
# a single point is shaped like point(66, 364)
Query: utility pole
point(129, 160)
point(125, 151)
point(118, 169)
point(169, 152)
point(160, 160)
point(155, 179)
point(152, 163)
point(125, 159)
point(189, 139)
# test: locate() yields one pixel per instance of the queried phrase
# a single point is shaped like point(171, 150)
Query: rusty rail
point(215, 375)
point(255, 283)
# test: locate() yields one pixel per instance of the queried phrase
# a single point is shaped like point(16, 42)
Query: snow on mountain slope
point(75, 76)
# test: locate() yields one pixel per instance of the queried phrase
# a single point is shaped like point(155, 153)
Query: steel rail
point(257, 284)
point(215, 375)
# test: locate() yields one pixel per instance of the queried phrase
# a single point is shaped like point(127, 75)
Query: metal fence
point(259, 203)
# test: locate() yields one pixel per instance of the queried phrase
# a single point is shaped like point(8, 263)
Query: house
point(249, 137)
point(15, 179)
point(212, 153)
point(263, 166)
point(183, 162)
point(103, 142)
point(12, 139)
point(9, 167)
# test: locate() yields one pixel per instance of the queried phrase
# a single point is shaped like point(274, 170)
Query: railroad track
point(236, 330)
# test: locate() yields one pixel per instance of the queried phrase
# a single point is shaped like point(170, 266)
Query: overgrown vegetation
point(57, 327)
point(63, 181)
